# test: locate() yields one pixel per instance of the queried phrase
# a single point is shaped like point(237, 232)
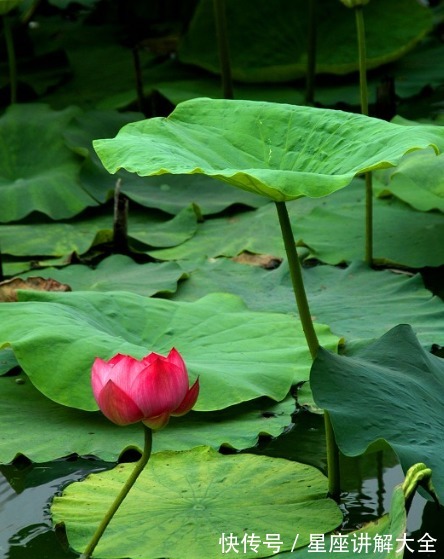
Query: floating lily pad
point(393, 390)
point(334, 232)
point(118, 272)
point(38, 172)
point(42, 430)
point(263, 147)
point(79, 235)
point(276, 49)
point(358, 303)
point(239, 355)
point(184, 503)
point(254, 231)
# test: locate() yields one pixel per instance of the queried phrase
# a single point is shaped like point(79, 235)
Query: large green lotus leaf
point(418, 180)
point(43, 430)
point(239, 355)
point(393, 390)
point(168, 193)
point(276, 49)
point(358, 303)
point(263, 147)
point(334, 232)
point(117, 272)
point(38, 172)
point(184, 503)
point(78, 235)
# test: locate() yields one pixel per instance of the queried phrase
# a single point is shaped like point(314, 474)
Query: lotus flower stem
point(224, 54)
point(312, 340)
point(120, 225)
point(360, 30)
point(333, 466)
point(123, 493)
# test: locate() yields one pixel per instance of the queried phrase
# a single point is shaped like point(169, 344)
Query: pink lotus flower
point(150, 390)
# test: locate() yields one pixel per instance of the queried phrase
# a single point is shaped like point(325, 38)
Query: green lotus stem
point(224, 55)
point(311, 53)
point(333, 466)
point(11, 59)
point(296, 279)
point(120, 224)
point(123, 493)
point(360, 29)
point(312, 340)
point(362, 53)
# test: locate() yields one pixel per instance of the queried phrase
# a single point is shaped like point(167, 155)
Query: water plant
point(188, 261)
point(265, 148)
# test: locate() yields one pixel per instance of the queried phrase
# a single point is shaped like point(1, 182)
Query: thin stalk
point(311, 54)
point(380, 478)
point(224, 54)
point(362, 53)
point(120, 225)
point(296, 279)
point(312, 340)
point(11, 59)
point(333, 466)
point(123, 493)
point(362, 50)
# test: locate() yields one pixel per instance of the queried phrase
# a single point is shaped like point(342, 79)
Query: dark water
point(26, 490)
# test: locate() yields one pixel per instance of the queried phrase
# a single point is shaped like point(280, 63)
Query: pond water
point(26, 489)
